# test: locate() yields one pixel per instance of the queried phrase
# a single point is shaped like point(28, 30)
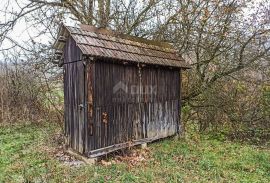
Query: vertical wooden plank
point(132, 116)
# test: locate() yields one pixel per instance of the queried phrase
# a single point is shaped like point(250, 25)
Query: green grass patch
point(202, 159)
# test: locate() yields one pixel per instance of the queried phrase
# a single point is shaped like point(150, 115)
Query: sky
point(23, 31)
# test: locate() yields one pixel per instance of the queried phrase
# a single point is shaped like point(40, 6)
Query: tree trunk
point(103, 12)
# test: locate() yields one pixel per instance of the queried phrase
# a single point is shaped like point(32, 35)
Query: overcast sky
point(23, 30)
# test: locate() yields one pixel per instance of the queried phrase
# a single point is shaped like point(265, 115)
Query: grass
point(24, 157)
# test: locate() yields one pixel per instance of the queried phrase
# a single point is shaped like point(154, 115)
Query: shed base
point(89, 161)
point(106, 150)
point(144, 146)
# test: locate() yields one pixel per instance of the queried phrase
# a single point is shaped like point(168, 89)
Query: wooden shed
point(119, 90)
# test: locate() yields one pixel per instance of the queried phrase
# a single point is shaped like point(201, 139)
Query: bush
point(26, 95)
point(234, 106)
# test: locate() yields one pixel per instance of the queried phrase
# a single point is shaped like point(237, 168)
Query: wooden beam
point(106, 150)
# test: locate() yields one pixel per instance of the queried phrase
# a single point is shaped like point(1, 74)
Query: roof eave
point(185, 66)
point(61, 37)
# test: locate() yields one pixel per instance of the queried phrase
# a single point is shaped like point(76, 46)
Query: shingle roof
point(107, 44)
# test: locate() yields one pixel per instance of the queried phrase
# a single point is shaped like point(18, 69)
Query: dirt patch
point(132, 157)
point(55, 148)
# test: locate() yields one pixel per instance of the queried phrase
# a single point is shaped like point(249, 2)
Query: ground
point(31, 153)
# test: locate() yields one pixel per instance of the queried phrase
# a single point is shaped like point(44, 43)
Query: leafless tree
point(222, 39)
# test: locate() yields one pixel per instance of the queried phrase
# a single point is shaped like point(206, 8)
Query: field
point(29, 153)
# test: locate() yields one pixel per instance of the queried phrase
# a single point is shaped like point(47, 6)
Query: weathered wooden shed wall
point(150, 108)
point(74, 96)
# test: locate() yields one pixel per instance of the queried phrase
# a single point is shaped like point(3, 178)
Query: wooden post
point(144, 146)
point(89, 161)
